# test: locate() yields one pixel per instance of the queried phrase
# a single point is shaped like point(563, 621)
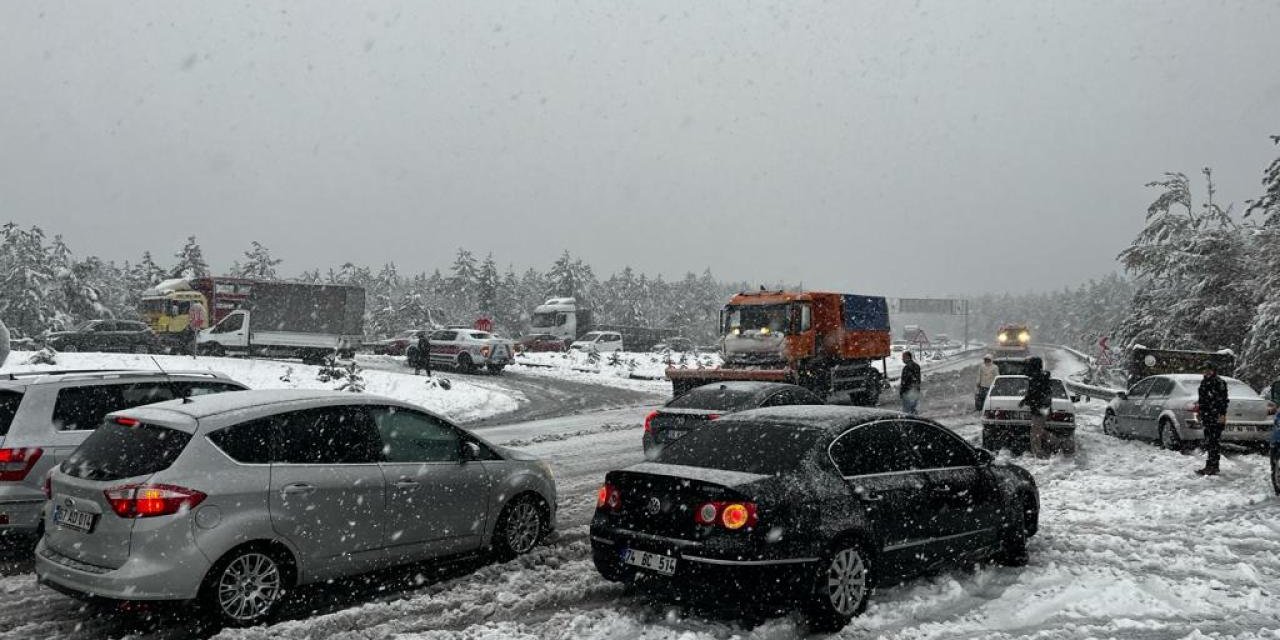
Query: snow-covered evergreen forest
point(46, 287)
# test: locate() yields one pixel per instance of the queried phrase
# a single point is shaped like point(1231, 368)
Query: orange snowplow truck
point(825, 342)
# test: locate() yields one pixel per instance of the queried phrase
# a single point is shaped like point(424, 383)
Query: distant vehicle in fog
point(292, 320)
point(127, 336)
point(540, 342)
point(1006, 424)
point(598, 342)
point(397, 345)
point(468, 350)
point(232, 500)
point(1013, 339)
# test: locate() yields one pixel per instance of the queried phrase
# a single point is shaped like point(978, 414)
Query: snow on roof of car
point(826, 417)
point(199, 407)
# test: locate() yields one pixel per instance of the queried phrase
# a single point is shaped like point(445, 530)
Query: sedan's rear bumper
point(1242, 432)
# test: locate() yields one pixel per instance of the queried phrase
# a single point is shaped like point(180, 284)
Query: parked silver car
point(233, 499)
point(1164, 408)
point(469, 349)
point(45, 415)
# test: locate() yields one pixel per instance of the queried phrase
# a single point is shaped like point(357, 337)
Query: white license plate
point(73, 518)
point(666, 565)
point(676, 434)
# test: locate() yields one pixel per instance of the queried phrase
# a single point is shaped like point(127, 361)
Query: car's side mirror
point(1075, 398)
point(470, 451)
point(1123, 395)
point(985, 457)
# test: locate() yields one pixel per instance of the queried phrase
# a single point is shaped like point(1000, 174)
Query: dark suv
point(106, 335)
point(45, 415)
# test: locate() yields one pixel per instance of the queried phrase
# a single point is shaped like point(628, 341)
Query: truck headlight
point(1002, 338)
point(1024, 337)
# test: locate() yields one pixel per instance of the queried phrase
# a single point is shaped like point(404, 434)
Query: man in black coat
point(1039, 399)
point(1213, 404)
point(422, 357)
point(909, 384)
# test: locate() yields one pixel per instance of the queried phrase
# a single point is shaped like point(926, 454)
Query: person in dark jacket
point(422, 355)
point(909, 384)
point(1039, 399)
point(1213, 403)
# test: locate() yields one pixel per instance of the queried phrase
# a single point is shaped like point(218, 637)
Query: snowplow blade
point(683, 380)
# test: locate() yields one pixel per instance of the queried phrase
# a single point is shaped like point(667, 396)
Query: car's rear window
point(115, 451)
point(1237, 389)
point(715, 399)
point(9, 401)
point(1017, 388)
point(742, 446)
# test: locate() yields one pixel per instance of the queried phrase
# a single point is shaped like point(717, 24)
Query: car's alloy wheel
point(249, 588)
point(1109, 424)
point(1169, 436)
point(847, 582)
point(520, 528)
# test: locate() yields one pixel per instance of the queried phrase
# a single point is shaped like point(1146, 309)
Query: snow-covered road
point(1132, 545)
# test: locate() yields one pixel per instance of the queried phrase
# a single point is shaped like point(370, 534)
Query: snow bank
point(463, 402)
point(626, 370)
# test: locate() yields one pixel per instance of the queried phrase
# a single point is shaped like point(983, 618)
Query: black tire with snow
point(246, 586)
point(520, 527)
point(842, 587)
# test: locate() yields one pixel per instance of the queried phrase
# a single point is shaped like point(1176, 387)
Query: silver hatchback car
point(1163, 408)
point(233, 499)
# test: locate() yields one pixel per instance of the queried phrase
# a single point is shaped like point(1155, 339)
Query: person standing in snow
point(987, 372)
point(909, 384)
point(1039, 399)
point(422, 359)
point(1213, 402)
point(197, 318)
point(4, 343)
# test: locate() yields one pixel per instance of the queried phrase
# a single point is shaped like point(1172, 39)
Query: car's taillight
point(609, 498)
point(648, 422)
point(1193, 407)
point(15, 464)
point(150, 500)
point(730, 515)
point(1062, 416)
point(125, 421)
point(713, 416)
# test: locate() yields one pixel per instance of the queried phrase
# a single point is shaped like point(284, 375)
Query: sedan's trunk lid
point(661, 499)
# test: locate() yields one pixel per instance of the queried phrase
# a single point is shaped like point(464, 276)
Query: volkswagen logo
point(653, 507)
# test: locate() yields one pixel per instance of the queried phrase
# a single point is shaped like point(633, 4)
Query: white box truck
point(291, 320)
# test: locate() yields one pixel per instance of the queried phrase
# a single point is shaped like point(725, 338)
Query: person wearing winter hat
point(987, 372)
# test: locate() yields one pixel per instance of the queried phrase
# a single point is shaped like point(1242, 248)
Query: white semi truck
point(564, 318)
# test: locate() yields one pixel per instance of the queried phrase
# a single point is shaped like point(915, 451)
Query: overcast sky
point(879, 147)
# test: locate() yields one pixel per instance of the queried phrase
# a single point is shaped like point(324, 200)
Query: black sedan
point(813, 506)
point(105, 335)
point(708, 402)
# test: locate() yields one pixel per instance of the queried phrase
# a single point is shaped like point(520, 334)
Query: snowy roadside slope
point(463, 402)
point(1131, 545)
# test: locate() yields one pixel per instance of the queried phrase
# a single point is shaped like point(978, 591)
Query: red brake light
point(15, 464)
point(608, 498)
point(714, 416)
point(127, 422)
point(149, 500)
point(730, 515)
point(648, 422)
point(1061, 416)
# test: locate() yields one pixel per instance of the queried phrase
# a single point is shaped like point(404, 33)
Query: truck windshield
point(758, 318)
point(547, 319)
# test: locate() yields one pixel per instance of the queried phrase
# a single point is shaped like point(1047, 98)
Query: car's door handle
point(296, 489)
point(407, 483)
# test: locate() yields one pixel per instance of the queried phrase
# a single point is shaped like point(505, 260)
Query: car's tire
point(213, 349)
point(246, 586)
point(1169, 437)
point(1275, 468)
point(1013, 540)
point(1109, 424)
point(520, 527)
point(465, 365)
point(71, 348)
point(842, 587)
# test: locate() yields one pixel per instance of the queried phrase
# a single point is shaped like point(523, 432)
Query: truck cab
point(562, 318)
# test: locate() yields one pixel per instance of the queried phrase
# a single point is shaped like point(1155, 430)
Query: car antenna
point(178, 392)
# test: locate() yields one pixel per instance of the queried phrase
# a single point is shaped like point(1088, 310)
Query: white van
point(598, 342)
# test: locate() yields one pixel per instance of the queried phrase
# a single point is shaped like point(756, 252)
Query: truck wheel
point(213, 349)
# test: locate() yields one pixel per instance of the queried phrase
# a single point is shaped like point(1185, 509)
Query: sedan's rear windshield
point(9, 401)
point(742, 446)
point(1237, 389)
point(715, 399)
point(1017, 388)
point(115, 451)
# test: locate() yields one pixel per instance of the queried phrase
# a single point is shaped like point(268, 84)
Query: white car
point(1006, 425)
point(469, 349)
point(598, 342)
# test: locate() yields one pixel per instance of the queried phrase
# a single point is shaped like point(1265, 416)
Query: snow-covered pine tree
point(258, 263)
point(488, 281)
point(191, 263)
point(1260, 355)
point(26, 281)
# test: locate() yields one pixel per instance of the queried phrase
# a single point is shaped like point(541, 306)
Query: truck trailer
point(290, 319)
point(825, 342)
